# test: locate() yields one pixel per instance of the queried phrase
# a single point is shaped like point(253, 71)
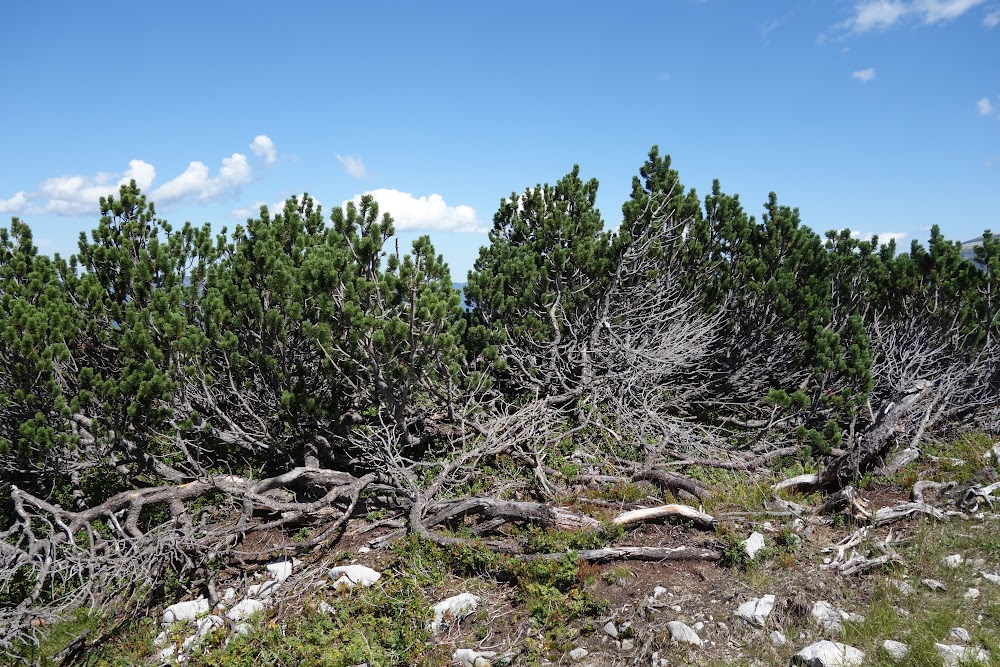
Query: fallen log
point(665, 511)
point(609, 554)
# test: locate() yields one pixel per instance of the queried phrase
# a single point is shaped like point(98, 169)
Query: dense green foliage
point(162, 357)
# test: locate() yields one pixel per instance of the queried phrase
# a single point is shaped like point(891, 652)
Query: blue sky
point(878, 116)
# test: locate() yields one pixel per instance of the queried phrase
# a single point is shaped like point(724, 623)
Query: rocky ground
point(799, 580)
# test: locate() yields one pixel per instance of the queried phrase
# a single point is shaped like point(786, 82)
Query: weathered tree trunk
point(872, 446)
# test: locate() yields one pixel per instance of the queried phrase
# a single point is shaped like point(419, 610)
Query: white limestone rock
point(264, 590)
point(578, 654)
point(753, 544)
point(829, 654)
point(933, 585)
point(611, 630)
point(210, 624)
point(244, 609)
point(830, 618)
point(995, 578)
point(896, 650)
point(349, 576)
point(778, 638)
point(755, 611)
point(960, 634)
point(971, 594)
point(468, 657)
point(683, 634)
point(953, 560)
point(953, 655)
point(453, 609)
point(281, 569)
point(185, 611)
point(903, 587)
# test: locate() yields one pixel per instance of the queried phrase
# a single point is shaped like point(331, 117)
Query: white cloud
point(15, 204)
point(992, 18)
point(424, 213)
point(883, 14)
point(933, 11)
point(353, 165)
point(196, 183)
point(864, 75)
point(78, 195)
point(249, 211)
point(262, 146)
point(985, 107)
point(875, 14)
point(883, 239)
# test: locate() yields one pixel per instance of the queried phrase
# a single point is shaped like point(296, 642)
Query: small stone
point(185, 611)
point(954, 654)
point(453, 609)
point(364, 550)
point(723, 627)
point(961, 634)
point(933, 584)
point(348, 576)
point(241, 629)
point(280, 569)
point(264, 590)
point(611, 630)
point(896, 650)
point(952, 561)
point(827, 616)
point(167, 653)
point(627, 644)
point(755, 611)
point(753, 544)
point(971, 594)
point(210, 624)
point(995, 578)
point(777, 638)
point(244, 609)
point(767, 527)
point(658, 592)
point(578, 654)
point(829, 654)
point(676, 608)
point(468, 657)
point(699, 626)
point(683, 634)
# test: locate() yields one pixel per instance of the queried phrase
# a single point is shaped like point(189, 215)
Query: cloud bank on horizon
point(76, 195)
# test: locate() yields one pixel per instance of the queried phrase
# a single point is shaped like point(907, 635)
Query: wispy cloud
point(429, 213)
point(985, 107)
point(247, 211)
point(871, 15)
point(864, 75)
point(991, 18)
point(262, 146)
point(353, 165)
